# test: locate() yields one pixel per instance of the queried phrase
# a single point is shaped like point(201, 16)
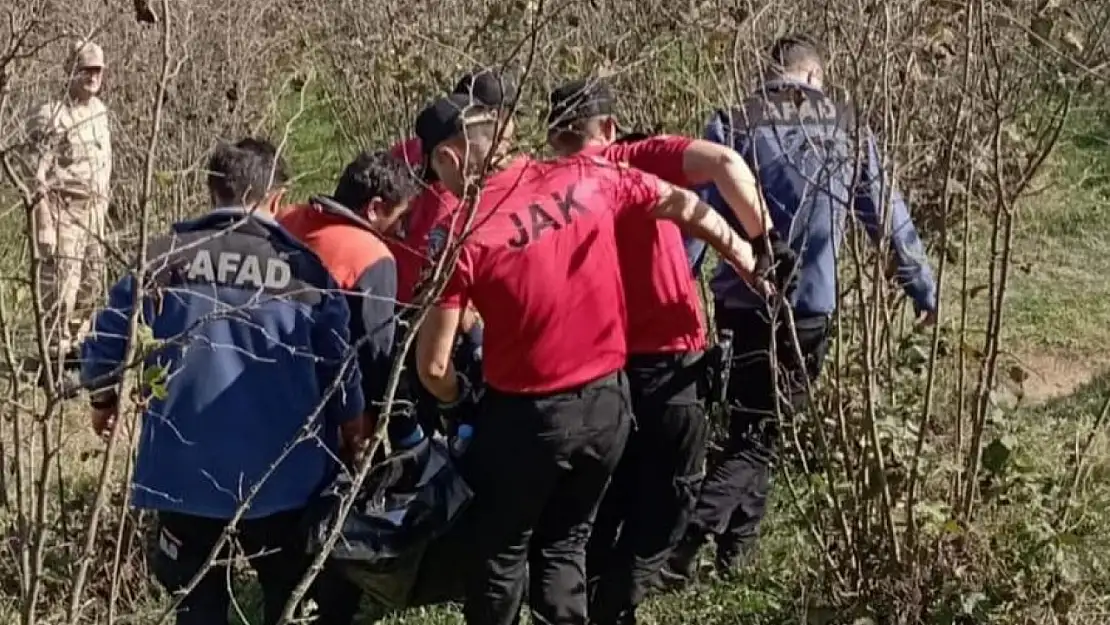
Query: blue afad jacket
point(802, 147)
point(252, 337)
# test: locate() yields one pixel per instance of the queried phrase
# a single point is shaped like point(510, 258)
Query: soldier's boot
point(731, 557)
point(679, 569)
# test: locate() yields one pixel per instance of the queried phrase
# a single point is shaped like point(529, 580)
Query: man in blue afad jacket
point(252, 387)
point(803, 148)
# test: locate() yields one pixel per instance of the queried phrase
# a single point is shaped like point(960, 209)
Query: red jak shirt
point(664, 312)
point(540, 265)
point(411, 249)
point(408, 151)
point(410, 245)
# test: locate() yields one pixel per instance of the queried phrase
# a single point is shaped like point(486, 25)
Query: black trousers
point(274, 546)
point(733, 498)
point(647, 507)
point(539, 466)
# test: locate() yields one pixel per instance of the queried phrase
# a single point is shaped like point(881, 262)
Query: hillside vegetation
point(954, 477)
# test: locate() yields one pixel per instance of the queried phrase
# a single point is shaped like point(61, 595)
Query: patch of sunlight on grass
point(1058, 290)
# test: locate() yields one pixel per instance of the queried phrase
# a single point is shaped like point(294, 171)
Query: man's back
point(542, 269)
point(664, 312)
point(252, 334)
point(799, 144)
point(816, 166)
point(365, 270)
point(345, 248)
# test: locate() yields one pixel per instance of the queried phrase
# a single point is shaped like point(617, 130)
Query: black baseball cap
point(444, 118)
point(490, 87)
point(581, 99)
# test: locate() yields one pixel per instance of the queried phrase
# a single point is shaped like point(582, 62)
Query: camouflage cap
point(86, 55)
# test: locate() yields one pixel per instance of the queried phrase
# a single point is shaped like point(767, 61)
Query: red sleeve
point(662, 156)
point(409, 151)
point(631, 190)
point(422, 215)
point(410, 262)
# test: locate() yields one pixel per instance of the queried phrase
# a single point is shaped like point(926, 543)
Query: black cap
point(490, 87)
point(445, 117)
point(581, 99)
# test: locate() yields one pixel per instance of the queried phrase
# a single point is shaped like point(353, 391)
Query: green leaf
point(144, 337)
point(997, 454)
point(152, 374)
point(154, 381)
point(159, 391)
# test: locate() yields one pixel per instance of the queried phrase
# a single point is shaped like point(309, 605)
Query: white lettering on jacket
point(247, 271)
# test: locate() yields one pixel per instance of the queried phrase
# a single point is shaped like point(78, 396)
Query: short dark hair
point(794, 51)
point(449, 117)
point(489, 86)
point(375, 175)
point(245, 171)
point(585, 98)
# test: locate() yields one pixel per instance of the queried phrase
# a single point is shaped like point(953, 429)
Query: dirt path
point(1054, 374)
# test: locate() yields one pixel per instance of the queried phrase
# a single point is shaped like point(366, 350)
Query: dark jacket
point(252, 339)
point(365, 270)
point(802, 147)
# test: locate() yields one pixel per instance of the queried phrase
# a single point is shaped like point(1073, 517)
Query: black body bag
point(408, 502)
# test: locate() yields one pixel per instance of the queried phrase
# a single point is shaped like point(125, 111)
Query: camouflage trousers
point(69, 235)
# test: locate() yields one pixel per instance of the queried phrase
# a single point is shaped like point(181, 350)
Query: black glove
point(460, 411)
point(776, 262)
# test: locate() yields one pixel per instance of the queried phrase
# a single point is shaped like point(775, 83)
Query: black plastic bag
point(407, 501)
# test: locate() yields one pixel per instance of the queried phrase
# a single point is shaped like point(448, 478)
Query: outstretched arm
point(714, 161)
point(700, 220)
point(331, 344)
point(914, 274)
point(434, 347)
point(103, 352)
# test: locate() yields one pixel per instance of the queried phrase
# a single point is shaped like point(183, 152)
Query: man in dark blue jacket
point(802, 147)
point(251, 386)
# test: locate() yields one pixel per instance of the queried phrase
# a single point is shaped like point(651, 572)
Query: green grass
point(316, 149)
point(1059, 297)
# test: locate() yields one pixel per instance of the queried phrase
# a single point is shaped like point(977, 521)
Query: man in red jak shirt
point(541, 267)
point(409, 235)
point(656, 482)
point(491, 88)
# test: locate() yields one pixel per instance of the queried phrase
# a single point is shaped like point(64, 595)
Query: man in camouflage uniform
point(73, 167)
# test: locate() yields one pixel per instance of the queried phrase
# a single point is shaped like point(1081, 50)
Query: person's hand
point(926, 319)
point(104, 420)
point(765, 288)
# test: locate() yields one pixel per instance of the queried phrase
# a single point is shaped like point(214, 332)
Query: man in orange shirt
point(343, 231)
